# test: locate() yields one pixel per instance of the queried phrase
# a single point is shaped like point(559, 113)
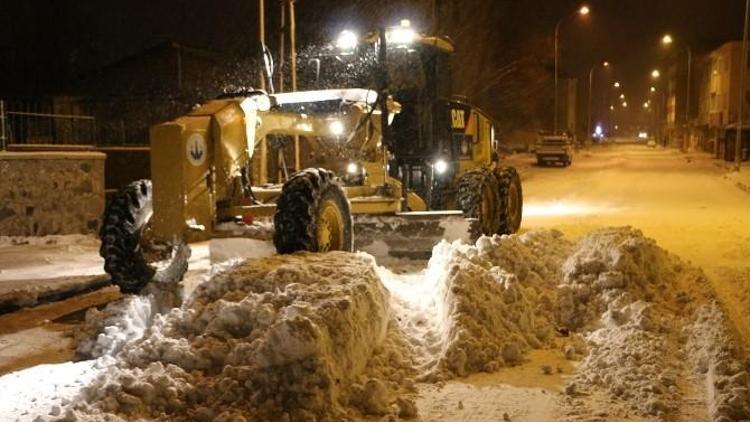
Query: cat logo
point(458, 118)
point(196, 149)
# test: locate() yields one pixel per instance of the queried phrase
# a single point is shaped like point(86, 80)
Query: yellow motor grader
point(331, 168)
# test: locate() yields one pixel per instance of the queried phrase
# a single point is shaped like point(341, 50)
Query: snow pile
point(612, 266)
point(480, 307)
point(714, 354)
point(634, 299)
point(284, 338)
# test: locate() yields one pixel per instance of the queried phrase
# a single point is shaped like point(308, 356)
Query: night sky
point(47, 43)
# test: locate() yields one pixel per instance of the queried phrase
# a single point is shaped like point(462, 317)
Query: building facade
point(719, 96)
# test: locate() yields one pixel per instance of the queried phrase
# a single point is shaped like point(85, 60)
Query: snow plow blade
point(411, 234)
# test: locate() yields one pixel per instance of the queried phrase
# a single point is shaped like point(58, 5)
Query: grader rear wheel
point(478, 198)
point(511, 200)
point(313, 214)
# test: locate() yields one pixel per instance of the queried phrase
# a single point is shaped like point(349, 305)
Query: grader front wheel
point(313, 214)
point(128, 251)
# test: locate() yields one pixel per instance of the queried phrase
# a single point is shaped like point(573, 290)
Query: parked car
point(554, 149)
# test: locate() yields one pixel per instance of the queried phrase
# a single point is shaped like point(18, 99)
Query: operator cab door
point(472, 136)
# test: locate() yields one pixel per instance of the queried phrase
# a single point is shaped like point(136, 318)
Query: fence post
point(3, 138)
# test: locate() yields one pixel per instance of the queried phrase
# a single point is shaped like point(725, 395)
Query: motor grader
point(329, 167)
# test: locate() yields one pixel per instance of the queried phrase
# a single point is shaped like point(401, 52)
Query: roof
point(163, 46)
point(354, 95)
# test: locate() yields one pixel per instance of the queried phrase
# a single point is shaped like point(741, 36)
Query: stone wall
point(43, 193)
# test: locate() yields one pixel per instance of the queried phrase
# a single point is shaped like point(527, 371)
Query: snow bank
point(284, 338)
point(634, 300)
point(480, 307)
point(714, 354)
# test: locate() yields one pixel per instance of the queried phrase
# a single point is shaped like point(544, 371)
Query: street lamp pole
point(557, 64)
point(667, 40)
point(591, 93)
point(583, 11)
point(688, 121)
point(743, 68)
point(591, 88)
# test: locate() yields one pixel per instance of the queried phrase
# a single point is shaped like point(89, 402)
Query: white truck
point(554, 149)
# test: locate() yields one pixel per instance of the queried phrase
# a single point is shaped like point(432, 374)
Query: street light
point(622, 96)
point(646, 105)
point(605, 65)
point(624, 104)
point(653, 89)
point(655, 73)
point(667, 40)
point(617, 84)
point(583, 11)
point(743, 83)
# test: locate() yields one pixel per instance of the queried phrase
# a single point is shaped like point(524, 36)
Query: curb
point(19, 299)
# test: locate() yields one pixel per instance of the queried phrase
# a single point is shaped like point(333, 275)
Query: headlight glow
point(347, 41)
point(403, 34)
point(336, 127)
point(352, 168)
point(440, 166)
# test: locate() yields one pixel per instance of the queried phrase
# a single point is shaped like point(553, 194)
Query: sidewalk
point(44, 269)
point(741, 179)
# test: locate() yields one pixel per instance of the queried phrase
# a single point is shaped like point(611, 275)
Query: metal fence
point(33, 123)
point(111, 121)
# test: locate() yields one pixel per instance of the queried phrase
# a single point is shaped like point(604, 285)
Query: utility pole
point(263, 179)
point(293, 64)
point(262, 40)
point(293, 43)
point(557, 65)
point(434, 16)
point(743, 68)
point(3, 138)
point(588, 109)
point(282, 43)
point(688, 122)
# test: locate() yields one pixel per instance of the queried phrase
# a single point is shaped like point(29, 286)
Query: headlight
point(403, 34)
point(440, 166)
point(352, 168)
point(336, 128)
point(347, 41)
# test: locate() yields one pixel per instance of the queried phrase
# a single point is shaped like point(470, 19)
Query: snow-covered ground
point(583, 323)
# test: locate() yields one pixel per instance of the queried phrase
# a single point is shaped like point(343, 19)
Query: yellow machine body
point(197, 161)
